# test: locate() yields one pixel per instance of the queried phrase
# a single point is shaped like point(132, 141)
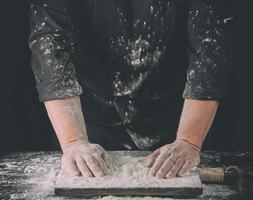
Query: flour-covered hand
point(85, 159)
point(174, 159)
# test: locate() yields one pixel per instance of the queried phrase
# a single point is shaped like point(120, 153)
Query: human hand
point(85, 159)
point(173, 159)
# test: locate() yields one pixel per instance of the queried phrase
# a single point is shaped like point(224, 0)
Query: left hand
point(173, 159)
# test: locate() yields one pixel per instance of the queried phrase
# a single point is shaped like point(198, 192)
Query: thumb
point(150, 160)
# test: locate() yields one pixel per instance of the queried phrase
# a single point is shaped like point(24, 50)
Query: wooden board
point(127, 177)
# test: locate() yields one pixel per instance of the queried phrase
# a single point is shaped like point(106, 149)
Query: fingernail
point(88, 175)
point(160, 176)
point(169, 175)
point(151, 174)
point(181, 174)
point(101, 174)
point(77, 174)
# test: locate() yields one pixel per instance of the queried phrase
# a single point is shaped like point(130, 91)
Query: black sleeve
point(53, 43)
point(210, 33)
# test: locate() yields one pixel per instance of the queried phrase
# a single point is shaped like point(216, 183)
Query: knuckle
point(179, 162)
point(81, 163)
point(162, 170)
point(162, 150)
point(96, 156)
point(175, 150)
point(101, 148)
point(163, 157)
point(96, 146)
point(90, 162)
point(89, 159)
point(189, 162)
point(170, 161)
point(174, 170)
point(156, 152)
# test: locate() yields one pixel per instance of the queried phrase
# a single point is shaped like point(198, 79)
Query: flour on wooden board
point(126, 172)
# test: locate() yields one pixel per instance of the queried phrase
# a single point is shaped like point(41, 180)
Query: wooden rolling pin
point(220, 175)
point(231, 175)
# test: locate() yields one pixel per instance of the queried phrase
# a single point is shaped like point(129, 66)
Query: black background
point(25, 125)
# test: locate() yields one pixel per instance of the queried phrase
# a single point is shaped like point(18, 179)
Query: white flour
point(126, 172)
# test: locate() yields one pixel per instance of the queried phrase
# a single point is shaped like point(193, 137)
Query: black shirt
point(136, 59)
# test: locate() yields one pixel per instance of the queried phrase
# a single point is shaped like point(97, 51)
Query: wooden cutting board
point(128, 177)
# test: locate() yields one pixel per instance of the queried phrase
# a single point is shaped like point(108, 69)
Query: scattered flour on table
point(42, 178)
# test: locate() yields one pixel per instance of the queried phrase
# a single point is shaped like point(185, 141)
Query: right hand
point(85, 159)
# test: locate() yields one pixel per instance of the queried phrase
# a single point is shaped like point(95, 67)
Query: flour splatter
point(143, 142)
point(57, 63)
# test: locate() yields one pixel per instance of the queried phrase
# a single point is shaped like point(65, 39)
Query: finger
point(108, 159)
point(93, 166)
point(80, 162)
point(70, 166)
point(106, 156)
point(158, 163)
point(186, 167)
point(167, 165)
point(100, 161)
point(150, 160)
point(175, 168)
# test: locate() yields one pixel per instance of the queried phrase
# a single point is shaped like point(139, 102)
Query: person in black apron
point(131, 75)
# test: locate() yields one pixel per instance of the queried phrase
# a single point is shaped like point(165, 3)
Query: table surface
point(31, 175)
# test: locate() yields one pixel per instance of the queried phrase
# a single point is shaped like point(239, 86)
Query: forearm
point(67, 119)
point(196, 120)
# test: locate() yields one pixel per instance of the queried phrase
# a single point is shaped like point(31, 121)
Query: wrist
point(196, 145)
point(66, 146)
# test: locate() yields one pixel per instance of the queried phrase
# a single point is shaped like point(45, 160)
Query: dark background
point(25, 125)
